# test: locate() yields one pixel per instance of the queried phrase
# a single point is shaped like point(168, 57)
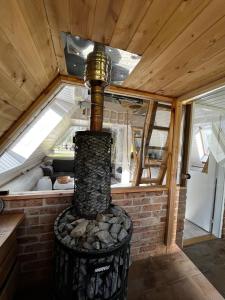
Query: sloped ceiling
point(181, 43)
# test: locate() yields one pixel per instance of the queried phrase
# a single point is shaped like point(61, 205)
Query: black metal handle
point(186, 176)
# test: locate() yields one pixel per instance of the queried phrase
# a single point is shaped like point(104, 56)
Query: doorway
point(205, 188)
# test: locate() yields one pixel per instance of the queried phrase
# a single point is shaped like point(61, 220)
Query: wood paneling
point(128, 22)
point(183, 15)
point(172, 175)
point(181, 43)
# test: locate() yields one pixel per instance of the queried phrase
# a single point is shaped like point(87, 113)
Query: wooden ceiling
point(182, 43)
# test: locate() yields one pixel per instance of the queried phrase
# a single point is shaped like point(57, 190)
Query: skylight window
point(37, 133)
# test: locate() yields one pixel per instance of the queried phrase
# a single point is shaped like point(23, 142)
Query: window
point(37, 133)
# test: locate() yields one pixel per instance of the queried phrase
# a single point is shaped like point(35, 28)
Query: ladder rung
point(152, 160)
point(149, 180)
point(164, 106)
point(162, 128)
point(157, 148)
point(155, 165)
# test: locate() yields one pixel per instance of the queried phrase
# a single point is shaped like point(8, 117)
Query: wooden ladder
point(142, 159)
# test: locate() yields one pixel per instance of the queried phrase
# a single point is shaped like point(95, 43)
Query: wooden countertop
point(8, 223)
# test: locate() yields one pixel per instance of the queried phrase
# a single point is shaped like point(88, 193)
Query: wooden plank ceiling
point(182, 43)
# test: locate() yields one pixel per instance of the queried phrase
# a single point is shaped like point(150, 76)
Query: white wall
point(24, 182)
point(200, 196)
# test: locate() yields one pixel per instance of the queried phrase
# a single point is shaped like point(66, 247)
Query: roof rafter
point(48, 95)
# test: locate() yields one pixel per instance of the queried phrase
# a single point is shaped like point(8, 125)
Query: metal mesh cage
point(91, 274)
point(92, 172)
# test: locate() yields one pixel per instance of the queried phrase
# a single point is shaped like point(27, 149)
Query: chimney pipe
point(97, 77)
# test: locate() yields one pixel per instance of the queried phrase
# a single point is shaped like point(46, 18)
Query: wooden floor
point(168, 277)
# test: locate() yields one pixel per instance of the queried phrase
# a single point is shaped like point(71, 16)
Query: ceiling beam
point(49, 93)
point(201, 91)
point(120, 90)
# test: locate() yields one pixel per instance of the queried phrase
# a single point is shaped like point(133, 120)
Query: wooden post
point(186, 143)
point(172, 173)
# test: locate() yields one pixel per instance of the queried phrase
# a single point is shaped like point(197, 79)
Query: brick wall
point(35, 236)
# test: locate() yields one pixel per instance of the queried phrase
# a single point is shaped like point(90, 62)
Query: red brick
point(36, 247)
point(151, 207)
point(117, 196)
point(132, 209)
point(134, 216)
point(14, 211)
point(142, 201)
point(32, 211)
point(154, 193)
point(147, 248)
point(21, 231)
point(162, 199)
point(49, 210)
point(123, 202)
point(47, 236)
point(136, 223)
point(40, 229)
point(149, 221)
point(25, 203)
point(27, 257)
point(47, 219)
point(28, 239)
point(60, 208)
point(60, 200)
point(29, 221)
point(45, 255)
point(142, 229)
point(35, 265)
point(135, 195)
point(135, 250)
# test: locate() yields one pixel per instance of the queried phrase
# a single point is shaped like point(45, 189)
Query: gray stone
point(69, 227)
point(123, 233)
point(104, 237)
point(73, 243)
point(117, 211)
point(93, 231)
point(79, 230)
point(61, 227)
point(66, 240)
point(114, 236)
point(64, 233)
point(109, 216)
point(103, 226)
point(96, 245)
point(114, 220)
point(88, 246)
point(90, 239)
point(115, 228)
point(101, 218)
point(90, 227)
point(70, 218)
point(126, 223)
point(76, 222)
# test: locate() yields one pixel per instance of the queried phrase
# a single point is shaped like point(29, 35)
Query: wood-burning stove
point(92, 237)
